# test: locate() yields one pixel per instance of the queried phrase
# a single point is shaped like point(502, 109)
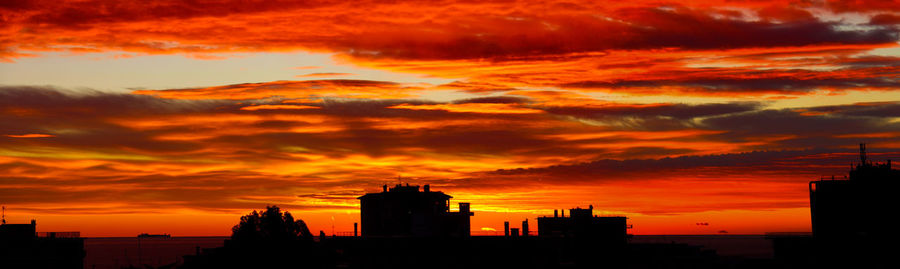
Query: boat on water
point(146, 235)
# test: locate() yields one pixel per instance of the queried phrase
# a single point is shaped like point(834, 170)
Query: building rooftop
point(406, 189)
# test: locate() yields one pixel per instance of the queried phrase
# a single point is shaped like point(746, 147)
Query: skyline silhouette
point(496, 221)
point(403, 227)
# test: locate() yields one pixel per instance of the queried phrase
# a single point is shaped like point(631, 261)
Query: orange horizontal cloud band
point(265, 107)
point(30, 135)
point(472, 108)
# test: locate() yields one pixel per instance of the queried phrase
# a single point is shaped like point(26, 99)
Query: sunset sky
point(124, 117)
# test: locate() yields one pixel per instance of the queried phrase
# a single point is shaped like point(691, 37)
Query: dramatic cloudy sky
point(122, 117)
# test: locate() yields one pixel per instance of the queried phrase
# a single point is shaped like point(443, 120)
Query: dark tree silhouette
point(270, 225)
point(264, 239)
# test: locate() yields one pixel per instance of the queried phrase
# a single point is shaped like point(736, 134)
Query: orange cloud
point(702, 48)
point(471, 108)
point(251, 108)
point(291, 90)
point(731, 73)
point(151, 153)
point(30, 136)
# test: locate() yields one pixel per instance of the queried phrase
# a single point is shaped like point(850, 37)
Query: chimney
point(506, 228)
point(355, 229)
point(563, 213)
point(525, 227)
point(464, 208)
point(384, 188)
point(427, 188)
point(555, 213)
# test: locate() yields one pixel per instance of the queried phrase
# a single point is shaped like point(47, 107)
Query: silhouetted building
point(18, 231)
point(525, 230)
point(852, 220)
point(581, 223)
point(858, 207)
point(404, 251)
point(22, 247)
point(405, 211)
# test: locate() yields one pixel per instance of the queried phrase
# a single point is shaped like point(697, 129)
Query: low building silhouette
point(21, 246)
point(403, 211)
point(582, 223)
point(18, 232)
point(403, 227)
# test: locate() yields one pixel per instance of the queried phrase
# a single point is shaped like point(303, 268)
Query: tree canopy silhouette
point(264, 239)
point(270, 225)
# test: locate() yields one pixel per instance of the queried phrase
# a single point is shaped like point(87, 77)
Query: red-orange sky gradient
point(671, 113)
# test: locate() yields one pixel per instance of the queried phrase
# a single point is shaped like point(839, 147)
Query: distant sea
point(743, 246)
point(118, 252)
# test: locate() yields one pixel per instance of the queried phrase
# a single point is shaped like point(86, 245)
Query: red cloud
point(416, 30)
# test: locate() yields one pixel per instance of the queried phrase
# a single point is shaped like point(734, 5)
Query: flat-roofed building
point(581, 223)
point(402, 211)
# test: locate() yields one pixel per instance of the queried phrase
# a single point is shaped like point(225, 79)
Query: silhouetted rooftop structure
point(581, 223)
point(18, 231)
point(852, 220)
point(856, 207)
point(406, 211)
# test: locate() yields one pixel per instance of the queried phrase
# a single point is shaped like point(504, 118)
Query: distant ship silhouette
point(146, 235)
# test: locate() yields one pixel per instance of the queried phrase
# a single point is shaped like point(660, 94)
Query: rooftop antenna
point(862, 153)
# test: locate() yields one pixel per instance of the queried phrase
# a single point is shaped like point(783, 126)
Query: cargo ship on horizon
point(146, 235)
